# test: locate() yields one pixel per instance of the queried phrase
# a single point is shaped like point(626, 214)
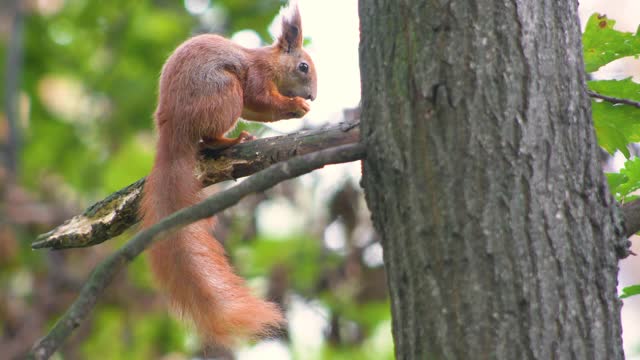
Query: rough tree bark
point(500, 235)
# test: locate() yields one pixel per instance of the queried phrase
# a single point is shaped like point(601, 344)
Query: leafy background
point(87, 90)
point(88, 80)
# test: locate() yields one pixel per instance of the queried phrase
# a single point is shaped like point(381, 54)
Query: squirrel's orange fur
point(206, 84)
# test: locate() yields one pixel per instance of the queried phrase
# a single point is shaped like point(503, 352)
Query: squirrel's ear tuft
point(291, 32)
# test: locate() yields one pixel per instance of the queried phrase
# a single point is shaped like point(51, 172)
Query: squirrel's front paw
point(245, 136)
point(221, 142)
point(299, 108)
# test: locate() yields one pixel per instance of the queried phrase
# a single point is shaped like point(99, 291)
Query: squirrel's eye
point(304, 67)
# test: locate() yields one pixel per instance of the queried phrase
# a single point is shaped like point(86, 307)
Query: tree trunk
point(499, 232)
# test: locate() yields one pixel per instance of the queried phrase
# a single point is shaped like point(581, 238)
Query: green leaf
point(630, 198)
point(625, 88)
point(602, 44)
point(630, 291)
point(631, 176)
point(615, 180)
point(610, 138)
point(616, 126)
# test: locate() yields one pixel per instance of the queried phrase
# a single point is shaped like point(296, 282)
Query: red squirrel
point(205, 86)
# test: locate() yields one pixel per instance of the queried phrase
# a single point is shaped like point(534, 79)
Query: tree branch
point(108, 269)
point(119, 211)
point(631, 216)
point(613, 100)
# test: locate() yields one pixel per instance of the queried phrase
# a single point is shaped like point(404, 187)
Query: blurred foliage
point(299, 253)
point(88, 92)
point(147, 336)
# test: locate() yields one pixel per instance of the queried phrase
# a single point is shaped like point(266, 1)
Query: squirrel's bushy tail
point(191, 265)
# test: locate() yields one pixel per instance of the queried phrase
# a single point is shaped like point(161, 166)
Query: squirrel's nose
point(310, 97)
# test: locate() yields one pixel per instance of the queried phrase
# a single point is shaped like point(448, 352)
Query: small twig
point(108, 269)
point(613, 100)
